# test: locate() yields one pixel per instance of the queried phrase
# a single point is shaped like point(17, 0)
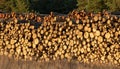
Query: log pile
point(85, 37)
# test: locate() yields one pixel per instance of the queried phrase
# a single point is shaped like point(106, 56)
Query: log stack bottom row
point(81, 36)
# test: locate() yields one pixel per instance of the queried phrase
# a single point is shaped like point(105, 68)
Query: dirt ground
point(8, 63)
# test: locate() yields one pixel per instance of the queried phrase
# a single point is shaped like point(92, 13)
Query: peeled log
point(34, 35)
point(91, 35)
point(96, 18)
point(86, 35)
point(100, 38)
point(80, 26)
point(40, 47)
point(70, 23)
point(86, 28)
point(36, 41)
point(107, 35)
point(97, 33)
point(80, 34)
point(12, 41)
point(18, 50)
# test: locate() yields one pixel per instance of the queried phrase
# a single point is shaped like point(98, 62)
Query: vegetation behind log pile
point(61, 6)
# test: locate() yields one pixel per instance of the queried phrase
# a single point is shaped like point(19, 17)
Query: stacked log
point(80, 36)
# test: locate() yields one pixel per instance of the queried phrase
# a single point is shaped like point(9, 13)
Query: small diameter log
point(100, 39)
point(95, 18)
point(80, 26)
point(12, 41)
point(86, 35)
point(40, 47)
point(107, 35)
point(97, 33)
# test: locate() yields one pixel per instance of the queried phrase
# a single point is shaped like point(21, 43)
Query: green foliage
point(14, 5)
point(99, 5)
point(42, 6)
point(61, 6)
point(114, 5)
point(4, 5)
point(46, 6)
point(91, 5)
point(82, 4)
point(21, 6)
